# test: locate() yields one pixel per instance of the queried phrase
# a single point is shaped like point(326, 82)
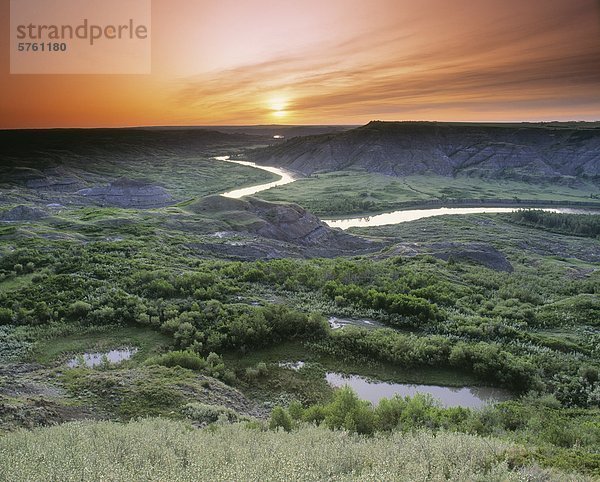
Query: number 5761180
point(42, 47)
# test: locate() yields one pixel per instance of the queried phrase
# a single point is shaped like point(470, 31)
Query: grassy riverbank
point(360, 192)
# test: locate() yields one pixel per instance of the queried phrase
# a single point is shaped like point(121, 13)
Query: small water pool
point(373, 391)
point(292, 365)
point(336, 323)
point(92, 359)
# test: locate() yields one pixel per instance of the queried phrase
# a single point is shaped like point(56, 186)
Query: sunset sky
point(333, 62)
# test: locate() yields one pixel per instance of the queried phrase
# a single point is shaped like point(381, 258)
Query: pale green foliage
point(203, 413)
point(157, 449)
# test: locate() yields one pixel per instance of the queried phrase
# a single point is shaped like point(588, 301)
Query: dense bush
point(488, 361)
point(393, 303)
point(567, 438)
point(213, 364)
point(491, 322)
point(280, 418)
point(575, 224)
point(215, 326)
point(203, 413)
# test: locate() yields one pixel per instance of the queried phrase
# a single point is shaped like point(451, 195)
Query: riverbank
point(354, 193)
point(474, 203)
point(404, 216)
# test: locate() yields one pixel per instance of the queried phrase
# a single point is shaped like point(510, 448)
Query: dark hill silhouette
point(514, 151)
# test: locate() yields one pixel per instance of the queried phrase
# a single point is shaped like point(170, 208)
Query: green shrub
point(6, 316)
point(79, 310)
point(181, 358)
point(203, 413)
point(280, 418)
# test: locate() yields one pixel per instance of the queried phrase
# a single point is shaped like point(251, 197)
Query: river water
point(383, 219)
point(404, 216)
point(286, 178)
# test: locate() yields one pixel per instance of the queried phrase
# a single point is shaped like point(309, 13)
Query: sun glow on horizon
point(332, 63)
point(278, 106)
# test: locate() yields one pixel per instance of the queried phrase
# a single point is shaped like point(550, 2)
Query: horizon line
point(200, 126)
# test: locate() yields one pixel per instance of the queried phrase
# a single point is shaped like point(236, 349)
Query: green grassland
point(352, 192)
point(191, 177)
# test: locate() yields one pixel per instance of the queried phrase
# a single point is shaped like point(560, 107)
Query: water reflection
point(292, 365)
point(404, 216)
point(286, 178)
point(373, 391)
point(94, 359)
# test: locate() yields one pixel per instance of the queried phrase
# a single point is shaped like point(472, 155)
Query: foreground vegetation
point(156, 449)
point(550, 435)
point(505, 328)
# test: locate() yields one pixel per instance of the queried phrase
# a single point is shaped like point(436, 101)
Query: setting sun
point(278, 107)
point(336, 62)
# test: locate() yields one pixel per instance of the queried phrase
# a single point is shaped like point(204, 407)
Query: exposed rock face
point(56, 180)
point(22, 213)
point(284, 222)
point(288, 223)
point(478, 253)
point(128, 193)
point(517, 151)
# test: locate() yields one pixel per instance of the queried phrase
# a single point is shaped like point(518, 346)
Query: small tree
point(280, 418)
point(345, 401)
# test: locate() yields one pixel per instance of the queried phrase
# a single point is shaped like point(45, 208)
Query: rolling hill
point(527, 152)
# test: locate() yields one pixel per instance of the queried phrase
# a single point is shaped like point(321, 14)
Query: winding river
point(394, 217)
point(286, 178)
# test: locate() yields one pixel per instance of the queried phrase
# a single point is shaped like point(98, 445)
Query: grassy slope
point(197, 176)
point(184, 178)
point(522, 243)
point(155, 449)
point(347, 192)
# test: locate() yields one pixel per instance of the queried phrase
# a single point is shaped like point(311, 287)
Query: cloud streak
point(335, 62)
point(539, 61)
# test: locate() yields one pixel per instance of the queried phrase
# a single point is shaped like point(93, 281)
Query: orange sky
point(333, 62)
